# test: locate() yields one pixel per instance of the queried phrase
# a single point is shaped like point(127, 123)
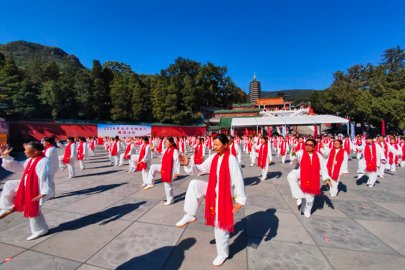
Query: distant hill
point(294, 95)
point(25, 52)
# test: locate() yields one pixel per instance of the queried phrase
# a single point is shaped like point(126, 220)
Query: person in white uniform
point(225, 176)
point(28, 194)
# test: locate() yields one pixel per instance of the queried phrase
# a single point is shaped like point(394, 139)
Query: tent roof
point(289, 120)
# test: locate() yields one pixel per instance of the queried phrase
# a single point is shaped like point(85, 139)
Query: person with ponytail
point(224, 194)
point(169, 169)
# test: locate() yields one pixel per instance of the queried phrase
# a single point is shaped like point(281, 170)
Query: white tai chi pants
point(70, 165)
point(195, 191)
point(283, 158)
point(37, 224)
point(402, 162)
point(361, 166)
point(81, 164)
point(114, 159)
point(381, 170)
point(297, 193)
point(372, 178)
point(334, 187)
point(393, 167)
point(252, 156)
point(265, 170)
point(156, 168)
point(132, 162)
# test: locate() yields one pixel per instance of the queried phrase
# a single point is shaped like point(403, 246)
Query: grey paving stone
point(141, 246)
point(343, 233)
point(38, 261)
point(7, 251)
point(282, 255)
point(367, 210)
point(74, 243)
point(349, 259)
point(378, 196)
point(390, 232)
point(271, 224)
point(397, 208)
point(265, 201)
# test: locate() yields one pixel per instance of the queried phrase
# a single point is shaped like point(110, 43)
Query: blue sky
point(289, 44)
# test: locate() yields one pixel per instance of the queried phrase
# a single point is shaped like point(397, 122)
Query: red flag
point(315, 131)
point(383, 127)
point(246, 132)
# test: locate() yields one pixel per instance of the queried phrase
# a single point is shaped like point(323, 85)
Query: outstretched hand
point(184, 160)
point(5, 150)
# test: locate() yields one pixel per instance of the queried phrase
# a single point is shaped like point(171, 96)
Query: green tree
point(10, 80)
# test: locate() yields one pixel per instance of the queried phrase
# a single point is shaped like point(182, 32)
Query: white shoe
point(69, 177)
point(148, 187)
point(219, 260)
point(251, 165)
point(370, 186)
point(168, 203)
point(62, 168)
point(307, 214)
point(291, 163)
point(143, 185)
point(37, 235)
point(299, 202)
point(187, 219)
point(332, 195)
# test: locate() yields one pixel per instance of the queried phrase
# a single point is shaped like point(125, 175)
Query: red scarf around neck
point(28, 190)
point(46, 149)
point(198, 154)
point(68, 153)
point(233, 149)
point(283, 148)
point(371, 157)
point(225, 204)
point(142, 165)
point(393, 160)
point(167, 165)
point(127, 150)
point(335, 163)
point(80, 151)
point(310, 173)
point(114, 150)
point(263, 153)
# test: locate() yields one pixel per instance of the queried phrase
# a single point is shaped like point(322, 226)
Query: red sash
point(283, 148)
point(160, 146)
point(334, 168)
point(68, 152)
point(92, 145)
point(233, 150)
point(167, 165)
point(391, 155)
point(384, 146)
point(250, 144)
point(80, 151)
point(347, 146)
point(371, 157)
point(142, 165)
point(28, 191)
point(263, 152)
point(198, 154)
point(310, 173)
point(300, 146)
point(127, 150)
point(225, 204)
point(114, 150)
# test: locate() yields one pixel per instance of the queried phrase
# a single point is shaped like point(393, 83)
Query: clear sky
point(289, 44)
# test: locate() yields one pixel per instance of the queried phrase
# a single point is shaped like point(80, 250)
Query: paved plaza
point(103, 219)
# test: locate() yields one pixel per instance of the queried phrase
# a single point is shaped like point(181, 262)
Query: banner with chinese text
point(111, 130)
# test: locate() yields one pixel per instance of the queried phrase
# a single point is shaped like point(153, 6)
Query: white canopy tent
point(299, 120)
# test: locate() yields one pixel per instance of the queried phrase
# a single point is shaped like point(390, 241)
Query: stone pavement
point(102, 219)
